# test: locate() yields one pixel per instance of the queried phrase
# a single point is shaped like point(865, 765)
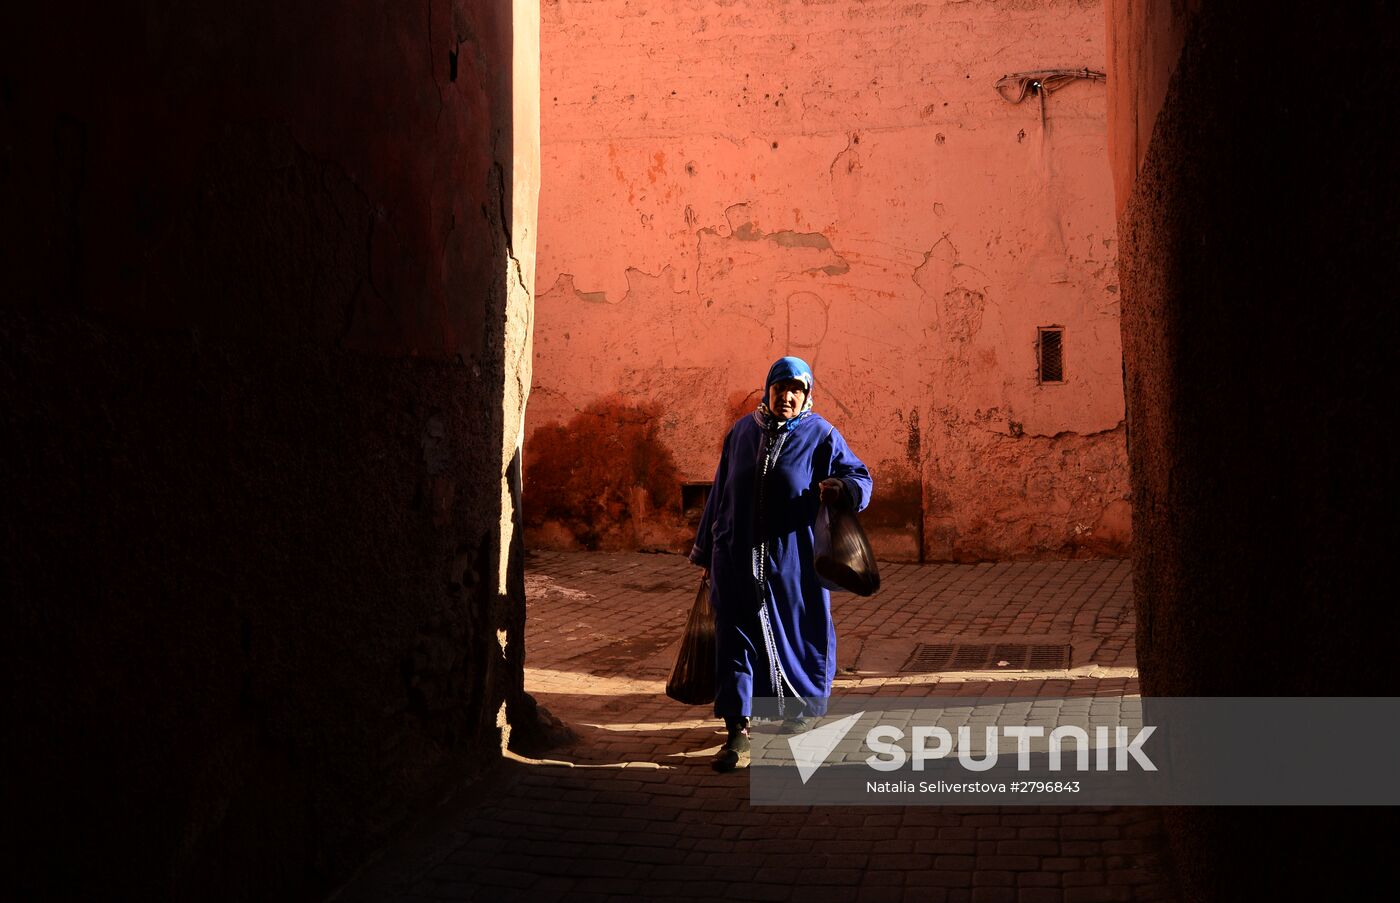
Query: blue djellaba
point(774, 635)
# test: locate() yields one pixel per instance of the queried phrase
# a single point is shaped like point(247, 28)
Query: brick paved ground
point(633, 809)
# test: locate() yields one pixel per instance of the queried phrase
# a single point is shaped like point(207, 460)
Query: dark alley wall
point(1259, 267)
point(263, 328)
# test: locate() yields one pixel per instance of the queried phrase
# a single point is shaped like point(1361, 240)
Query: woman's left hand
point(832, 489)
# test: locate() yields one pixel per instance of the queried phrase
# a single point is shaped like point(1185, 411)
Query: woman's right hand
point(832, 489)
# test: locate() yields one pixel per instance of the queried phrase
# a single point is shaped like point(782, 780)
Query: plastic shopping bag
point(693, 676)
point(844, 559)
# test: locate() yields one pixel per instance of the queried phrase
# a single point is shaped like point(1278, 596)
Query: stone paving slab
point(633, 810)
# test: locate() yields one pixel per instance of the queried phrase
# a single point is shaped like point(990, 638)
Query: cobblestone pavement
point(632, 808)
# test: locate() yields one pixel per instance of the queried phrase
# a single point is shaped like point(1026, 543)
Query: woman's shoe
point(798, 725)
point(735, 748)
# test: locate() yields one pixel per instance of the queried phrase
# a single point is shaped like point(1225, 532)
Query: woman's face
point(785, 398)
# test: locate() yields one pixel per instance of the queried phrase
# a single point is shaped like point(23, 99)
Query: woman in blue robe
point(773, 628)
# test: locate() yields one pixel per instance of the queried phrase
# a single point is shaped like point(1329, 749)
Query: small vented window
point(1050, 349)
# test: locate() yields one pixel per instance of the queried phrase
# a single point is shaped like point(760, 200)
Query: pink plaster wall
point(727, 182)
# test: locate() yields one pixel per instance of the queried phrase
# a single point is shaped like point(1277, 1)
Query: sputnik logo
point(810, 750)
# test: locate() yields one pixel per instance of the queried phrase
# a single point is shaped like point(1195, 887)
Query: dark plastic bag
point(844, 559)
point(693, 676)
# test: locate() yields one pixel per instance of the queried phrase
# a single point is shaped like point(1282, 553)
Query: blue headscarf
point(785, 368)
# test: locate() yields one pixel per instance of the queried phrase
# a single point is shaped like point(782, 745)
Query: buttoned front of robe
point(798, 606)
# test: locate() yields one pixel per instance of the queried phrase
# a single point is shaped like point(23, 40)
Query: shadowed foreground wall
point(266, 285)
point(725, 183)
point(1260, 234)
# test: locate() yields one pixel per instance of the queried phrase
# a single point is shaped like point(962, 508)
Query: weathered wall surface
point(1259, 270)
point(1144, 44)
point(727, 182)
point(266, 274)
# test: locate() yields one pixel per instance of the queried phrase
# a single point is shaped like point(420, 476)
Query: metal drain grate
point(988, 657)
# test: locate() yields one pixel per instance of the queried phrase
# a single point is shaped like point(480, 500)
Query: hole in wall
point(693, 498)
